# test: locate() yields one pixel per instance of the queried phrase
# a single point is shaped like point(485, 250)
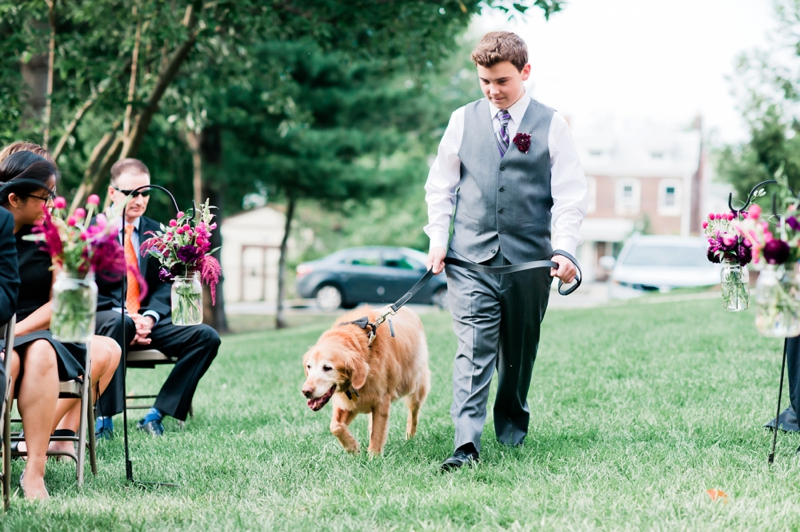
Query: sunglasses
point(143, 193)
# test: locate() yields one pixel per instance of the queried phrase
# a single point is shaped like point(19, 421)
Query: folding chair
point(5, 413)
point(148, 358)
point(80, 389)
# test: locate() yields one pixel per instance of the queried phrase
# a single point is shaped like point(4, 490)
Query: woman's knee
point(40, 358)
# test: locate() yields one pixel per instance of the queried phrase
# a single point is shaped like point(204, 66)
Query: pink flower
point(71, 221)
point(79, 213)
point(94, 199)
point(179, 230)
point(729, 240)
point(705, 225)
point(101, 221)
point(173, 223)
point(755, 212)
point(179, 215)
point(712, 216)
point(186, 227)
point(60, 203)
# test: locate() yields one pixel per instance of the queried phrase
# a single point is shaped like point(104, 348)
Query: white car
point(649, 263)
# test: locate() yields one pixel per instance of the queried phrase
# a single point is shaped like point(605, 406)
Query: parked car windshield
point(666, 256)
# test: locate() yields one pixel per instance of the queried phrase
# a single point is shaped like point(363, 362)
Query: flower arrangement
point(523, 142)
point(78, 248)
point(775, 246)
point(725, 243)
point(183, 248)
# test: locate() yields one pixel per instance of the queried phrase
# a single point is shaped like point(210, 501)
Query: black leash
point(513, 268)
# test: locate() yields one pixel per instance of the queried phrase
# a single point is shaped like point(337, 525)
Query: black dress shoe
point(459, 459)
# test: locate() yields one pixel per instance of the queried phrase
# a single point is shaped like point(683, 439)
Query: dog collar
point(350, 393)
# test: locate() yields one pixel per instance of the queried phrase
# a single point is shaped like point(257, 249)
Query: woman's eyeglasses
point(45, 199)
point(133, 194)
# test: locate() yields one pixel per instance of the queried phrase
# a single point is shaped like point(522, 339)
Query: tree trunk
point(280, 322)
point(51, 58)
point(128, 146)
point(193, 141)
point(210, 149)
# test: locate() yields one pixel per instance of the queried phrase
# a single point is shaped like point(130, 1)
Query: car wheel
point(439, 298)
point(328, 298)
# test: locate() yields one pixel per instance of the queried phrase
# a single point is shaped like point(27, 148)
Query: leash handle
point(411, 293)
point(572, 286)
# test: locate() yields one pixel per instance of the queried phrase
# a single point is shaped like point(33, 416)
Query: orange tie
point(132, 299)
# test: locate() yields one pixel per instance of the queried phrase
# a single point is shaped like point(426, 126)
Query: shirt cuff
point(570, 245)
point(152, 313)
point(439, 240)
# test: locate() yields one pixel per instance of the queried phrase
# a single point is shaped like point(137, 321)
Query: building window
point(669, 197)
point(591, 183)
point(628, 196)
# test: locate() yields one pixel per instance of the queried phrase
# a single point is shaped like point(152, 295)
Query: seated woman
point(38, 361)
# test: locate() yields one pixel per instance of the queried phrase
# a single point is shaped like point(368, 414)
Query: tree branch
point(101, 88)
point(126, 125)
point(51, 57)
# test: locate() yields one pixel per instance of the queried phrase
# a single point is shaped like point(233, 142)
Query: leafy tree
point(768, 86)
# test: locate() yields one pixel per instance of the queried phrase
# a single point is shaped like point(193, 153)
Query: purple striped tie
point(501, 135)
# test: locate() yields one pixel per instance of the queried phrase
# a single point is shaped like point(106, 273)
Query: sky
point(626, 62)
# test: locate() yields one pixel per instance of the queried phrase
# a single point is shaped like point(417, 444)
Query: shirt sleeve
point(154, 314)
point(567, 186)
point(443, 178)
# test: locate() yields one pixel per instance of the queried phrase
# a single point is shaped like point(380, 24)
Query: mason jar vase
point(74, 306)
point(777, 301)
point(735, 281)
point(187, 299)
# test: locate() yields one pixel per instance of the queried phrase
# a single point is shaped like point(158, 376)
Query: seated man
point(9, 280)
point(147, 322)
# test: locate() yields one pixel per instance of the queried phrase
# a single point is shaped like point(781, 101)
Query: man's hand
point(436, 259)
point(566, 269)
point(144, 325)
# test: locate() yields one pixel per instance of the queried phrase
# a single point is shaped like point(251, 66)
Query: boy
point(513, 166)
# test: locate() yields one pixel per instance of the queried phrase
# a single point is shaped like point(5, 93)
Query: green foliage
point(768, 86)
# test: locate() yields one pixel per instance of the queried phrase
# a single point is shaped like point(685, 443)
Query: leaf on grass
point(718, 495)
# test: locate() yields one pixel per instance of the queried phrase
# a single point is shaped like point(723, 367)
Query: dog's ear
point(305, 361)
point(359, 370)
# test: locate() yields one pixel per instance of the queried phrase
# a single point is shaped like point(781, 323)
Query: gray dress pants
point(496, 319)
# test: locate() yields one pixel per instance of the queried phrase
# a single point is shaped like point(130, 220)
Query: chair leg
point(81, 451)
point(7, 447)
point(90, 428)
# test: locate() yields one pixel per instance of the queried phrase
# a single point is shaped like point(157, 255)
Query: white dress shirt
point(567, 182)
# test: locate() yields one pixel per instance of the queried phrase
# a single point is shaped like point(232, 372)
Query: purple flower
point(776, 251)
point(712, 255)
point(523, 142)
point(189, 254)
point(792, 222)
point(164, 275)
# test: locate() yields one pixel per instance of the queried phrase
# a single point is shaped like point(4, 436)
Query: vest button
point(494, 251)
point(502, 189)
point(502, 168)
point(500, 211)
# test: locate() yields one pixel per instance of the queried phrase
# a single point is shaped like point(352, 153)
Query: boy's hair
point(22, 145)
point(127, 164)
point(498, 46)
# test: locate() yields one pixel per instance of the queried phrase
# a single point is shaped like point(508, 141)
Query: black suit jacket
point(109, 293)
point(9, 269)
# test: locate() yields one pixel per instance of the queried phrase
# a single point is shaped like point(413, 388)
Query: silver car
point(660, 263)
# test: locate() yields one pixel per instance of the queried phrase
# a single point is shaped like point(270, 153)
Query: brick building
point(648, 180)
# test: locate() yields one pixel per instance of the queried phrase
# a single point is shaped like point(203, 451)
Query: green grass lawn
point(637, 410)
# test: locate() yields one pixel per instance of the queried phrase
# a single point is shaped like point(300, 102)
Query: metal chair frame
point(148, 358)
point(5, 414)
point(80, 389)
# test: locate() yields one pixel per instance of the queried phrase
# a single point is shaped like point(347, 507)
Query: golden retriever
point(364, 379)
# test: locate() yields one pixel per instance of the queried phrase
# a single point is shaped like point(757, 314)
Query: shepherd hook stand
point(128, 463)
point(737, 213)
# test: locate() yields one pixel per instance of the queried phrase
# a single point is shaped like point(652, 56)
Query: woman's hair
point(23, 145)
point(499, 46)
point(24, 173)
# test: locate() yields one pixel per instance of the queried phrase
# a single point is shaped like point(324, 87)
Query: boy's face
point(503, 84)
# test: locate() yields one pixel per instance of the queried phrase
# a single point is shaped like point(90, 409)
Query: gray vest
point(503, 203)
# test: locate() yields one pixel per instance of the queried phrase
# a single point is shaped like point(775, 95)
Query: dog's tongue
point(316, 403)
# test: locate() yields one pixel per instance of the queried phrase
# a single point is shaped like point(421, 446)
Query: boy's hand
point(566, 269)
point(436, 259)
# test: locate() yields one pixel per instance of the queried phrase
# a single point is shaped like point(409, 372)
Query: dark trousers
point(194, 347)
point(497, 320)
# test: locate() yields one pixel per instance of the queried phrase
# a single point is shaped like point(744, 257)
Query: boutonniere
point(523, 142)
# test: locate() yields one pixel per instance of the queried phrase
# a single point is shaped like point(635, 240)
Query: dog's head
point(336, 361)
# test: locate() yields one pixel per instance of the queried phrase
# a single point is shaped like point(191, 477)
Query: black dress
point(34, 291)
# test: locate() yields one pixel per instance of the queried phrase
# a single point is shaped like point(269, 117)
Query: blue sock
point(154, 414)
point(103, 422)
